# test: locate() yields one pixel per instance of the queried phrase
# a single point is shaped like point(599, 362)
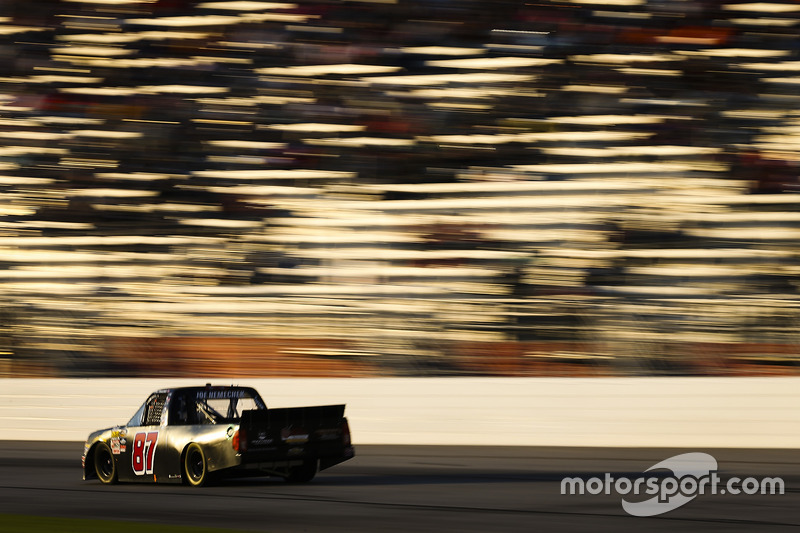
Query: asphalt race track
point(409, 489)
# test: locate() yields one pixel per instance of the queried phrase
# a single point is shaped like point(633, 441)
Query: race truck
point(192, 434)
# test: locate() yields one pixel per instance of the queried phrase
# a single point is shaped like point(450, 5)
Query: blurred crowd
point(392, 187)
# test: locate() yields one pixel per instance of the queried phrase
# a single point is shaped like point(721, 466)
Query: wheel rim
point(195, 465)
point(104, 464)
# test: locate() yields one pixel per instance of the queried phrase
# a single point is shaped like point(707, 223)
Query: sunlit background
point(399, 188)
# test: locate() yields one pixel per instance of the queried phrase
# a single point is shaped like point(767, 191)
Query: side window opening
point(154, 408)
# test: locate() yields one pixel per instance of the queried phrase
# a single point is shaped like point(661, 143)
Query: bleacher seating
point(566, 187)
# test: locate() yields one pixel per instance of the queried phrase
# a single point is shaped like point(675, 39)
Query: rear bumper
point(327, 456)
point(332, 460)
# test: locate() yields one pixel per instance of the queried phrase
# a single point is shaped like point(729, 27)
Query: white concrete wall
point(647, 412)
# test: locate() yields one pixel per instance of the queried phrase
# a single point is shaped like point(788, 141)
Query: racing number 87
point(144, 449)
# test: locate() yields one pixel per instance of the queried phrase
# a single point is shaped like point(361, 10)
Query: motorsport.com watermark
point(693, 474)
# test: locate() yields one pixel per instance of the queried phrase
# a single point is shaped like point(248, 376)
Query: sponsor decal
point(115, 446)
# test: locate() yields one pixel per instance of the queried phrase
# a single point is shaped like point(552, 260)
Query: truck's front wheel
point(303, 473)
point(104, 464)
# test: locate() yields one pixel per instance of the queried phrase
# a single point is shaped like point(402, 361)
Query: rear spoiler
point(314, 417)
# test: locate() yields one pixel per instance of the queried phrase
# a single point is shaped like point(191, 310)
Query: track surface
point(407, 489)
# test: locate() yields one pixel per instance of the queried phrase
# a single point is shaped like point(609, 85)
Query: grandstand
point(355, 188)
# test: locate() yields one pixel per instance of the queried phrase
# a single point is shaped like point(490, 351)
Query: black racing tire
point(105, 465)
point(195, 469)
point(303, 473)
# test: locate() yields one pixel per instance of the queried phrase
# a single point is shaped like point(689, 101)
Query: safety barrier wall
point(632, 412)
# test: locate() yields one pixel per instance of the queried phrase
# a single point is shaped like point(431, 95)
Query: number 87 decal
point(144, 450)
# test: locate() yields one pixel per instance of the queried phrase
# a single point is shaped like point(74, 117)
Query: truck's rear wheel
point(303, 473)
point(195, 471)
